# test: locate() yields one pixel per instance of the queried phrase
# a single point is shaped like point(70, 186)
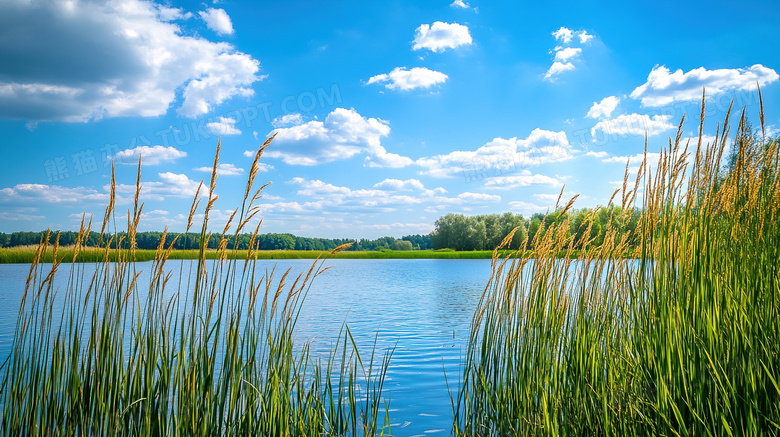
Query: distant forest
point(150, 240)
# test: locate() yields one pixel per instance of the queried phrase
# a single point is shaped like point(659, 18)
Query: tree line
point(270, 241)
point(452, 231)
point(485, 232)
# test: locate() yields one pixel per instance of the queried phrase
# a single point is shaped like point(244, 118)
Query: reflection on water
point(423, 308)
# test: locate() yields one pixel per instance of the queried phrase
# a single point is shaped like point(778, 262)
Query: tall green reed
point(213, 355)
point(682, 340)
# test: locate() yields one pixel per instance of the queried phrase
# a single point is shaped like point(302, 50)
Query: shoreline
point(26, 256)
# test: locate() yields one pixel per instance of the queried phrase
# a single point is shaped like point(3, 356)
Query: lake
point(423, 307)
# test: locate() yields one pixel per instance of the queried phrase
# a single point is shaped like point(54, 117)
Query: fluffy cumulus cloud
point(664, 86)
point(402, 79)
point(409, 185)
point(217, 20)
point(170, 184)
point(343, 134)
point(563, 35)
point(584, 36)
point(400, 185)
point(150, 155)
point(500, 156)
point(223, 126)
point(594, 154)
point(603, 108)
point(633, 124)
point(386, 196)
point(40, 193)
point(524, 179)
point(223, 170)
point(286, 120)
point(634, 160)
point(564, 55)
point(441, 36)
point(122, 58)
point(557, 68)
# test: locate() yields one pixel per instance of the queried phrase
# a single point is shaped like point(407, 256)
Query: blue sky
point(388, 115)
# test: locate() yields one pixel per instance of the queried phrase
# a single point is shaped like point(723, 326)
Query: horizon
point(387, 116)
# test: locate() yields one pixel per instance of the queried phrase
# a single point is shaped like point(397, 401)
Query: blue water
point(423, 308)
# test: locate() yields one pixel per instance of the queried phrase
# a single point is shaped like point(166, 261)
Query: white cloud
point(524, 179)
point(527, 208)
point(382, 158)
point(342, 135)
point(434, 209)
point(170, 184)
point(318, 187)
point(150, 155)
point(603, 108)
point(124, 58)
point(664, 87)
point(459, 4)
point(478, 197)
point(409, 185)
point(584, 37)
point(552, 198)
point(339, 199)
point(633, 124)
point(217, 20)
point(600, 154)
point(223, 126)
point(441, 36)
point(500, 155)
point(290, 207)
point(399, 185)
point(563, 54)
point(16, 216)
point(223, 170)
point(557, 68)
point(40, 193)
point(403, 79)
point(633, 161)
point(563, 34)
point(286, 120)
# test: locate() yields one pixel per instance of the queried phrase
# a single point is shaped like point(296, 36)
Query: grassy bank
point(683, 341)
point(88, 255)
point(27, 255)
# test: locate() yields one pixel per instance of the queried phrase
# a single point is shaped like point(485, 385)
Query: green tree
point(401, 245)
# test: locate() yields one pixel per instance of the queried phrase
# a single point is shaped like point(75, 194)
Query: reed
point(212, 355)
point(683, 340)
